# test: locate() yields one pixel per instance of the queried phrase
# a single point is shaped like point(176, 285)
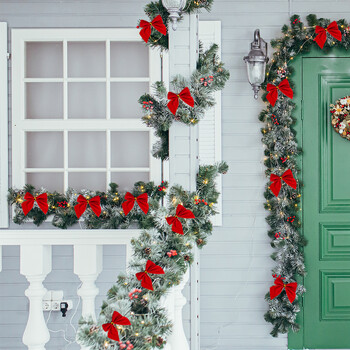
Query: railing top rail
point(67, 237)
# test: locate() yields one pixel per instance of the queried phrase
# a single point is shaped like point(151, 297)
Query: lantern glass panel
point(256, 72)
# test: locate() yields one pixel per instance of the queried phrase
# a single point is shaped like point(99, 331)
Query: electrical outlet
point(55, 305)
point(46, 305)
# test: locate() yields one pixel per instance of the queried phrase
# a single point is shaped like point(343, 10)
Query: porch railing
point(36, 264)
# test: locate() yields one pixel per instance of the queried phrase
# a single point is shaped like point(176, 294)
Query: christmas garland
point(283, 192)
point(340, 112)
point(210, 76)
point(165, 252)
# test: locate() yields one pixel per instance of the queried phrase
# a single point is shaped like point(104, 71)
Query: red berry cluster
point(284, 159)
point(171, 253)
point(134, 294)
point(197, 201)
point(275, 276)
point(207, 80)
point(126, 346)
point(274, 119)
point(280, 235)
point(296, 21)
point(147, 105)
point(162, 187)
point(291, 219)
point(63, 204)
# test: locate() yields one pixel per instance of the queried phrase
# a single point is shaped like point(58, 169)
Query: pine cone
point(160, 341)
point(93, 329)
point(199, 241)
point(187, 258)
point(148, 340)
point(148, 251)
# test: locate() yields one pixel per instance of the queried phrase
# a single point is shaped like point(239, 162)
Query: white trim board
point(4, 212)
point(210, 126)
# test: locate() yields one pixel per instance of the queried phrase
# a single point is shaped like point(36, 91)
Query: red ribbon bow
point(181, 212)
point(283, 86)
point(287, 177)
point(321, 32)
point(28, 204)
point(184, 95)
point(156, 23)
point(94, 203)
point(152, 268)
point(117, 319)
point(142, 201)
point(280, 285)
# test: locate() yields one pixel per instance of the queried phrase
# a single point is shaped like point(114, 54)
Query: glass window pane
point(44, 60)
point(86, 100)
point(86, 59)
point(50, 181)
point(87, 149)
point(87, 181)
point(129, 59)
point(130, 149)
point(44, 149)
point(124, 99)
point(44, 101)
point(126, 180)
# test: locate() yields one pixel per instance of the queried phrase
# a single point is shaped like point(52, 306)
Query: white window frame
point(4, 212)
point(20, 125)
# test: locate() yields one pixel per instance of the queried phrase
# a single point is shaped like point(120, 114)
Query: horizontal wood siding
point(235, 266)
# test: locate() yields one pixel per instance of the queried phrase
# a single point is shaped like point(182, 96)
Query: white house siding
point(235, 266)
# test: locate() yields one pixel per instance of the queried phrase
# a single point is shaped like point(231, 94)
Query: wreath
point(340, 112)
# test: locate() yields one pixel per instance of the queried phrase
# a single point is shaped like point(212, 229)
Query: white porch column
point(0, 258)
point(88, 265)
point(183, 154)
point(35, 264)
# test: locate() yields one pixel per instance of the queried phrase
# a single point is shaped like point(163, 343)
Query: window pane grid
point(67, 124)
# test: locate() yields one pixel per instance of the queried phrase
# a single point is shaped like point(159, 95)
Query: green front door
point(326, 205)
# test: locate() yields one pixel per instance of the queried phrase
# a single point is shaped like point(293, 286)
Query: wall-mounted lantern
point(174, 7)
point(256, 62)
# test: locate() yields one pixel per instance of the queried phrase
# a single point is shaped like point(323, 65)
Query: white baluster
point(174, 303)
point(88, 265)
point(35, 264)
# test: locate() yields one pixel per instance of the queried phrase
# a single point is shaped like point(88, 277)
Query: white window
point(76, 121)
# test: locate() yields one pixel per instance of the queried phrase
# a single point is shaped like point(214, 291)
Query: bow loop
point(184, 95)
point(142, 201)
point(41, 200)
point(278, 287)
point(276, 184)
point(321, 32)
point(181, 212)
point(94, 203)
point(156, 23)
point(151, 268)
point(117, 319)
point(283, 86)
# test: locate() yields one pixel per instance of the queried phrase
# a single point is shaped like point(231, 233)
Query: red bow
point(280, 285)
point(142, 201)
point(94, 203)
point(283, 86)
point(184, 95)
point(321, 32)
point(287, 177)
point(146, 281)
point(117, 319)
point(181, 212)
point(156, 23)
point(28, 204)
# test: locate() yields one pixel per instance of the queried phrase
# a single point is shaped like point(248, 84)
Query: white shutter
point(4, 217)
point(210, 126)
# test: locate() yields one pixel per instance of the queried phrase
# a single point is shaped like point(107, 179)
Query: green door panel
point(326, 206)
